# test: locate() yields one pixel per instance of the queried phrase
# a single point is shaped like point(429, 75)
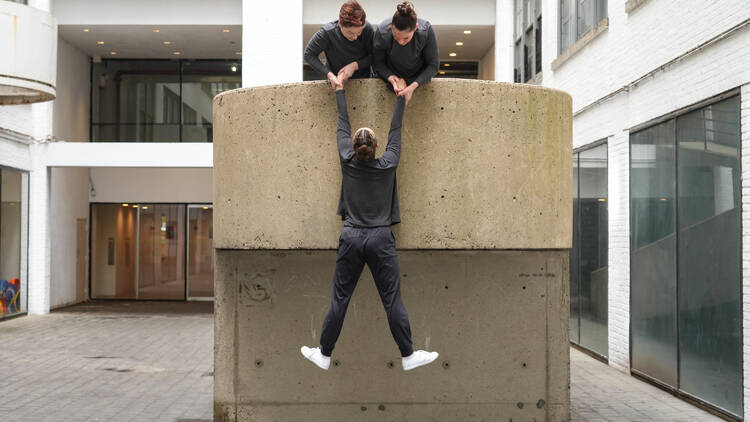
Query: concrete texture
point(484, 165)
point(498, 318)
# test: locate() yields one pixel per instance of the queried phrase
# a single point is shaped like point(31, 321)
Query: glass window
point(161, 252)
point(686, 309)
point(589, 258)
point(653, 278)
point(577, 17)
point(528, 45)
point(158, 100)
point(113, 250)
point(710, 306)
point(200, 251)
point(13, 241)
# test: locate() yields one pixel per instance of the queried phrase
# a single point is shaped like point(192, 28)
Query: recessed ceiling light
point(225, 30)
point(86, 30)
point(459, 43)
point(467, 31)
point(447, 65)
point(155, 30)
point(176, 53)
point(145, 208)
point(239, 53)
point(234, 68)
point(442, 72)
point(167, 42)
point(124, 205)
point(205, 208)
point(452, 54)
point(113, 52)
point(135, 206)
point(100, 42)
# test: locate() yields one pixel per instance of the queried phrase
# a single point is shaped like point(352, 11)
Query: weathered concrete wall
point(484, 165)
point(498, 318)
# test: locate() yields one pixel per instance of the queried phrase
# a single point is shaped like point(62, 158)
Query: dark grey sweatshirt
point(369, 197)
point(339, 51)
point(419, 60)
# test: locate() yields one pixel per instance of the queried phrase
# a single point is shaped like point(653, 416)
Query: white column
point(745, 139)
point(39, 232)
point(271, 42)
point(619, 250)
point(504, 40)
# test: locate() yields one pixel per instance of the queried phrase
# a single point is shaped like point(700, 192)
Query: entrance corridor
point(152, 361)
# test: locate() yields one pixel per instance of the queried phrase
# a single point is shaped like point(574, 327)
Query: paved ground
point(152, 361)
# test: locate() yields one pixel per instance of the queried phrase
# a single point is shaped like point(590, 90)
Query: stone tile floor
point(152, 361)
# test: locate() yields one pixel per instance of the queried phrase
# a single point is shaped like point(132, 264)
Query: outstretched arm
point(317, 44)
point(393, 150)
point(343, 132)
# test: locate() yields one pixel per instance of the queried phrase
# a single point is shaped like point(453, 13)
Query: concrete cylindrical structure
point(485, 195)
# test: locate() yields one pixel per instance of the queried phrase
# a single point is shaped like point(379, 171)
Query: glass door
point(200, 264)
point(161, 254)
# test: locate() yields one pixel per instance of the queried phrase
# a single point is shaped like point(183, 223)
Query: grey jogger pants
point(377, 248)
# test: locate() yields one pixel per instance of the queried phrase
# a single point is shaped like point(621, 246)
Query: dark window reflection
point(158, 100)
point(686, 283)
point(589, 281)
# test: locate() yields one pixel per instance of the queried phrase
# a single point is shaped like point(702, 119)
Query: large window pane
point(200, 252)
point(710, 335)
point(136, 101)
point(113, 250)
point(13, 215)
point(201, 82)
point(593, 243)
point(653, 279)
point(161, 266)
point(575, 307)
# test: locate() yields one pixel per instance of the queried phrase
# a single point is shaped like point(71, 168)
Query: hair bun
point(405, 8)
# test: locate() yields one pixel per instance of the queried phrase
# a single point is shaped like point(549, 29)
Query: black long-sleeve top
point(339, 51)
point(369, 197)
point(419, 60)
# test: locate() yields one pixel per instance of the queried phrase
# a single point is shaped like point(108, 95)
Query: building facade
point(105, 155)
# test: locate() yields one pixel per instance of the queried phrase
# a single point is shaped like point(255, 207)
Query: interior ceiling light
point(468, 31)
point(205, 208)
point(452, 54)
point(156, 30)
point(176, 53)
point(459, 43)
point(145, 208)
point(239, 53)
point(442, 72)
point(124, 205)
point(167, 42)
point(225, 30)
point(86, 30)
point(135, 206)
point(113, 53)
point(234, 68)
point(447, 65)
point(100, 42)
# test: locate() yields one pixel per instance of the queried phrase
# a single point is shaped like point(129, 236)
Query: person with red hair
point(346, 43)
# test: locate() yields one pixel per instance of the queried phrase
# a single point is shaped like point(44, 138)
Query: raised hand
point(408, 91)
point(347, 71)
point(334, 81)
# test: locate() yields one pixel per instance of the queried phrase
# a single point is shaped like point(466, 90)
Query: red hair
point(352, 14)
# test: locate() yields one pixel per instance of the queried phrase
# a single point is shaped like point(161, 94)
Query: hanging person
point(405, 53)
point(369, 207)
point(346, 43)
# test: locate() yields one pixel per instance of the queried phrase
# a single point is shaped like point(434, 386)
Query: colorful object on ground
point(9, 293)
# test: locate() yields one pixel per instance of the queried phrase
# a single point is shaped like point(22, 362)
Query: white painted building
point(661, 100)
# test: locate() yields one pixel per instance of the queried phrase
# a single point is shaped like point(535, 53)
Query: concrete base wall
point(498, 318)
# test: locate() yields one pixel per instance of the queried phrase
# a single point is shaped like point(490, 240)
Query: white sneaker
point(417, 359)
point(314, 355)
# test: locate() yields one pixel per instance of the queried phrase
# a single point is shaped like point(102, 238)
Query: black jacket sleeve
point(343, 131)
point(431, 58)
point(393, 150)
point(317, 44)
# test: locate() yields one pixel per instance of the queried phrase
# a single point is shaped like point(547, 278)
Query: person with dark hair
point(347, 44)
point(369, 207)
point(405, 53)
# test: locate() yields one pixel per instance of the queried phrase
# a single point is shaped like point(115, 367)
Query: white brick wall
point(745, 120)
point(619, 250)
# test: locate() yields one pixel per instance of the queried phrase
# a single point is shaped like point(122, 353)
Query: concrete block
point(498, 318)
point(484, 165)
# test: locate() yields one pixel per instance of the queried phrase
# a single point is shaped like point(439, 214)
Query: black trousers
point(377, 248)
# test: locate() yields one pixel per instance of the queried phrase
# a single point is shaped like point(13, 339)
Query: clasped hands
point(346, 72)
